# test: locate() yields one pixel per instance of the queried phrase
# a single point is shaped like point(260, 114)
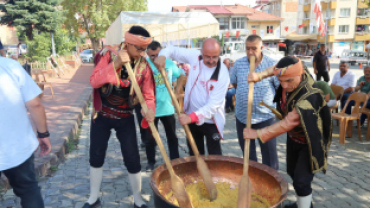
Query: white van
point(353, 57)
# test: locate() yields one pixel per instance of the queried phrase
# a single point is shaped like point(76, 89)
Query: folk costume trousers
point(126, 134)
point(298, 167)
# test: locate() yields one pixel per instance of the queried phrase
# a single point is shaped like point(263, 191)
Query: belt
point(115, 113)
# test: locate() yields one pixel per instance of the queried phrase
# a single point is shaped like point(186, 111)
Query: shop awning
point(299, 37)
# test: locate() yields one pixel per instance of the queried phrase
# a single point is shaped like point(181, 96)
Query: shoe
point(87, 205)
point(142, 206)
point(227, 110)
point(293, 205)
point(150, 167)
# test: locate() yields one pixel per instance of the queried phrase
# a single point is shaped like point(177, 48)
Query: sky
point(166, 5)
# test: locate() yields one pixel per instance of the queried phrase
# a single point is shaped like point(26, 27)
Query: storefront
point(359, 46)
point(338, 47)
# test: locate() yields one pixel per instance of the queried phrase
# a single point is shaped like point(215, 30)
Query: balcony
point(362, 36)
point(330, 38)
point(361, 4)
point(307, 8)
point(364, 20)
point(332, 5)
point(306, 22)
point(331, 22)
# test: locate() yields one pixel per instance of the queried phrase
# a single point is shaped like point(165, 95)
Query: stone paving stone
point(346, 183)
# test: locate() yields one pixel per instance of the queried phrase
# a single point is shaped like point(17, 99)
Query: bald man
point(206, 87)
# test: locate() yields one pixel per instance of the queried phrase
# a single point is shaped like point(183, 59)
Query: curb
point(67, 130)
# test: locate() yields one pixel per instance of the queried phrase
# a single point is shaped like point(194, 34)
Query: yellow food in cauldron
point(226, 197)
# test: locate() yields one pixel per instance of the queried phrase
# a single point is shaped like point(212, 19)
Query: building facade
point(347, 21)
point(8, 35)
point(239, 21)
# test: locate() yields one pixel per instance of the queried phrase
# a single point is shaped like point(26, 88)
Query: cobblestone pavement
point(346, 183)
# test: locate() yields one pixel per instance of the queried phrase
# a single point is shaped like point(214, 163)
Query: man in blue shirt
point(164, 107)
point(2, 52)
point(263, 91)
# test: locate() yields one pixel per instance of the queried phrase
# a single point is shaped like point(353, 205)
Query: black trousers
point(169, 124)
point(126, 134)
point(298, 167)
point(324, 74)
point(212, 139)
point(23, 180)
point(139, 118)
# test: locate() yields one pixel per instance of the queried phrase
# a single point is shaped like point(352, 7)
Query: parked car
point(87, 56)
point(352, 57)
point(10, 49)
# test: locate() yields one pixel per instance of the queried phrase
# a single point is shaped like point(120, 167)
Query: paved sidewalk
point(346, 183)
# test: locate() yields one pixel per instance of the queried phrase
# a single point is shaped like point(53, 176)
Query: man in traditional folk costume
point(205, 92)
point(307, 121)
point(113, 109)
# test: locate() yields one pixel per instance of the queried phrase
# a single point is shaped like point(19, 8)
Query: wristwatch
point(43, 135)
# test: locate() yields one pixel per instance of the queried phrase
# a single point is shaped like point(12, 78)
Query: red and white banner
point(320, 20)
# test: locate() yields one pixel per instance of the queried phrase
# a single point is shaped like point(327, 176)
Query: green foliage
point(39, 48)
point(95, 16)
point(53, 168)
point(29, 15)
point(64, 42)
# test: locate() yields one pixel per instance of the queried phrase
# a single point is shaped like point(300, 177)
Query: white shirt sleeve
point(352, 81)
point(216, 99)
point(181, 55)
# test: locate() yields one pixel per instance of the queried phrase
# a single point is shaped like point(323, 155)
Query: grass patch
point(53, 168)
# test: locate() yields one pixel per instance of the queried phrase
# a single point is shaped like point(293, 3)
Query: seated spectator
point(328, 93)
point(231, 90)
point(346, 79)
point(185, 67)
point(363, 85)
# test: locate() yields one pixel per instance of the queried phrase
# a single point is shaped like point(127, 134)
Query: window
point(314, 30)
point(238, 23)
point(343, 28)
point(255, 27)
point(270, 30)
point(305, 30)
point(363, 28)
point(278, 6)
point(345, 12)
point(306, 15)
point(362, 12)
point(224, 23)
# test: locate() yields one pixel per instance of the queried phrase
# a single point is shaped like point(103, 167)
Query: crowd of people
point(210, 86)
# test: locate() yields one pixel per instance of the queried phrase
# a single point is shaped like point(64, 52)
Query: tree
point(95, 16)
point(30, 15)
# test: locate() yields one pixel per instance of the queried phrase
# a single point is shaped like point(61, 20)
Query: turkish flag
point(237, 33)
point(300, 26)
point(227, 34)
point(270, 30)
point(286, 28)
point(254, 32)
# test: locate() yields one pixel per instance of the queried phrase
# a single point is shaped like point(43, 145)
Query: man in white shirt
point(346, 79)
point(19, 93)
point(205, 92)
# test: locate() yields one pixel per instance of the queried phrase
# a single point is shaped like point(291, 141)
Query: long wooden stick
point(201, 164)
point(177, 184)
point(245, 195)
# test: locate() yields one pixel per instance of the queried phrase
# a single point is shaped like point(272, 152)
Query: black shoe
point(87, 205)
point(293, 205)
point(142, 206)
point(150, 167)
point(227, 110)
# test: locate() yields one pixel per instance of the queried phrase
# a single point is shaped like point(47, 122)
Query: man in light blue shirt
point(263, 91)
point(164, 108)
point(18, 142)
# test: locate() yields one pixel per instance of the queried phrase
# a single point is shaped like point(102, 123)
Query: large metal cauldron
point(266, 181)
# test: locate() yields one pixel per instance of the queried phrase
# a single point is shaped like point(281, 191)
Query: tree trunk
point(29, 33)
point(95, 45)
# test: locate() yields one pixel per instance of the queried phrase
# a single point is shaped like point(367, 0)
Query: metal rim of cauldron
point(275, 174)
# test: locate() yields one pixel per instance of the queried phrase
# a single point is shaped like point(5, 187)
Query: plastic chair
point(41, 83)
point(338, 92)
point(366, 111)
point(346, 119)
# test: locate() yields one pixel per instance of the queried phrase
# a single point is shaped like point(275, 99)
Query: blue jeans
point(229, 97)
point(23, 180)
point(268, 149)
point(349, 108)
point(344, 100)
